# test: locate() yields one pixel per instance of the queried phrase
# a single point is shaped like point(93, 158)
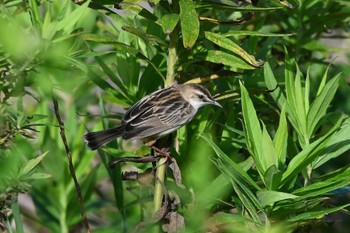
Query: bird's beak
point(213, 102)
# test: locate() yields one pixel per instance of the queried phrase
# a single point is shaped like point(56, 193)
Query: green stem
point(159, 183)
point(172, 58)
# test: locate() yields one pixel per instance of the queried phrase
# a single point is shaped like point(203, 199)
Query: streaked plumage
point(156, 115)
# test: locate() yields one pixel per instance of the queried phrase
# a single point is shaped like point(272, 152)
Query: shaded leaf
point(268, 197)
point(189, 23)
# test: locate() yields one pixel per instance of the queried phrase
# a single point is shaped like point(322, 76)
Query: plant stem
point(172, 58)
point(159, 182)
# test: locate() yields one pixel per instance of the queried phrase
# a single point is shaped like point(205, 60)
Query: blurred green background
point(99, 58)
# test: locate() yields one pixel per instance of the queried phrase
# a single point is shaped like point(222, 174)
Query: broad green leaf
point(268, 198)
point(252, 131)
point(228, 44)
point(189, 23)
point(168, 22)
point(281, 138)
point(273, 177)
point(30, 165)
point(319, 106)
point(316, 214)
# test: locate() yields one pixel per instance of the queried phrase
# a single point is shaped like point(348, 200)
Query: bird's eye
point(201, 97)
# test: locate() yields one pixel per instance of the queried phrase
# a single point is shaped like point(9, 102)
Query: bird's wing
point(159, 119)
point(146, 104)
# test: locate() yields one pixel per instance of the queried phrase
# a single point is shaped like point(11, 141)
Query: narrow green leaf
point(272, 84)
point(30, 165)
point(224, 58)
point(338, 144)
point(269, 155)
point(72, 18)
point(189, 23)
point(268, 198)
point(38, 176)
point(323, 81)
point(307, 155)
point(248, 199)
point(281, 138)
point(112, 76)
point(255, 33)
point(307, 91)
point(252, 131)
point(228, 44)
point(168, 22)
point(236, 168)
point(320, 104)
point(299, 106)
point(316, 214)
point(225, 218)
point(322, 187)
point(148, 37)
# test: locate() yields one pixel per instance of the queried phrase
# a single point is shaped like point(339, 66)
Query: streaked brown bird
point(156, 115)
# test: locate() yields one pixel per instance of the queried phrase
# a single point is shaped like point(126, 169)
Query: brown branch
point(70, 164)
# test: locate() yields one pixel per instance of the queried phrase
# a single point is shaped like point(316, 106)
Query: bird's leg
point(161, 152)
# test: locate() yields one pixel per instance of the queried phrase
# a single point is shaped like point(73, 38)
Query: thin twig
point(70, 164)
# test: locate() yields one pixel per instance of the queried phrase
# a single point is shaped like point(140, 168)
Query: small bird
point(156, 115)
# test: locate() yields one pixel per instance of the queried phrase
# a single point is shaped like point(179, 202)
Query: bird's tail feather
point(96, 139)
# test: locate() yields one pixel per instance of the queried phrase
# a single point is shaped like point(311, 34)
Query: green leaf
point(228, 44)
point(307, 155)
point(316, 214)
point(252, 131)
point(281, 138)
point(189, 23)
point(168, 22)
point(72, 18)
point(147, 37)
point(30, 165)
point(273, 178)
point(337, 145)
point(272, 84)
point(325, 185)
point(225, 218)
point(236, 168)
point(254, 33)
point(320, 104)
point(224, 58)
point(269, 155)
point(268, 198)
point(38, 176)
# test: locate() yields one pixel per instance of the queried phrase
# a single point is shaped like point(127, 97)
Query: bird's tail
point(96, 139)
